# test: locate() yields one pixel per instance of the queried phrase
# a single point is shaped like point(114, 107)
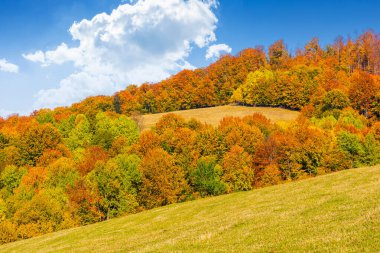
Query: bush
point(7, 232)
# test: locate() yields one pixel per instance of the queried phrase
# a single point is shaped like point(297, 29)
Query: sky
point(54, 53)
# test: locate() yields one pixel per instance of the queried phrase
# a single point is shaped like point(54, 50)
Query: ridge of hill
point(338, 212)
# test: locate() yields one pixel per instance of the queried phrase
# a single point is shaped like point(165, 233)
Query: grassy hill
point(213, 115)
point(339, 212)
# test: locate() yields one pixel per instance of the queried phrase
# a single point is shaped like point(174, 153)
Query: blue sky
point(43, 64)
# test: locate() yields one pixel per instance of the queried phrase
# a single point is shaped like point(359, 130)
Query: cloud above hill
point(215, 51)
point(141, 42)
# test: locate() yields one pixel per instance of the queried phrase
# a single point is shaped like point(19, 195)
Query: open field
point(338, 212)
point(213, 115)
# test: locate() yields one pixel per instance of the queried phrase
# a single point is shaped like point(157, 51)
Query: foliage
point(237, 171)
point(92, 161)
point(335, 99)
point(207, 177)
point(162, 181)
point(117, 183)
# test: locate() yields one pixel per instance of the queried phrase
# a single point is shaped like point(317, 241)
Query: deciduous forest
point(90, 162)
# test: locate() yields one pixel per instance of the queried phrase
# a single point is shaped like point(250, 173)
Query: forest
point(89, 162)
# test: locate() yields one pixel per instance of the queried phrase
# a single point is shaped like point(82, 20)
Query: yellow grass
point(213, 115)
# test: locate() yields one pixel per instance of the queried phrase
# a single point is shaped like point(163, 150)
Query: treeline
point(346, 71)
point(89, 162)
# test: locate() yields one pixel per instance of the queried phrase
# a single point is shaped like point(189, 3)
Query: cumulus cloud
point(141, 42)
point(215, 51)
point(38, 56)
point(6, 66)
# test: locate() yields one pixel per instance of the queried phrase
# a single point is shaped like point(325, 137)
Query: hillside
point(213, 115)
point(89, 162)
point(339, 212)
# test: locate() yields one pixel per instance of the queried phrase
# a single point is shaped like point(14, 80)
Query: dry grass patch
point(213, 115)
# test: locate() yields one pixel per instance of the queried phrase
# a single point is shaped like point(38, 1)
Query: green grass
point(213, 115)
point(339, 212)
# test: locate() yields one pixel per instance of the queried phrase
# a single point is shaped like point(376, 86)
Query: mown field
point(339, 212)
point(213, 115)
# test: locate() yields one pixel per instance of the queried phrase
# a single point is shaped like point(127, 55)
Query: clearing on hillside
point(213, 115)
point(339, 212)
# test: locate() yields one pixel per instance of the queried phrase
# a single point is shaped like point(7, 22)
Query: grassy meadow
point(339, 212)
point(213, 115)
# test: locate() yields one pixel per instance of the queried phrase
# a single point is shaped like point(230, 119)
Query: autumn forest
point(77, 165)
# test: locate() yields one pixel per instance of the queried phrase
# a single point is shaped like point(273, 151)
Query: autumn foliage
point(90, 162)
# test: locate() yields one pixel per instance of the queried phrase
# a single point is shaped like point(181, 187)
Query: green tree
point(10, 179)
point(207, 177)
point(117, 183)
point(372, 150)
point(352, 146)
point(61, 174)
point(80, 135)
point(335, 99)
point(107, 130)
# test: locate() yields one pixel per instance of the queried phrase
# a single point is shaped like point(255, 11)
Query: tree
point(294, 87)
point(237, 171)
point(362, 92)
point(61, 174)
point(44, 116)
point(169, 121)
point(10, 155)
point(126, 127)
point(10, 179)
point(82, 203)
point(335, 99)
point(210, 142)
point(372, 150)
point(313, 51)
point(92, 155)
point(103, 135)
point(107, 130)
point(207, 177)
point(80, 135)
point(41, 215)
point(368, 52)
point(8, 232)
point(351, 145)
point(311, 147)
point(181, 145)
point(148, 141)
point(237, 132)
point(278, 55)
point(162, 181)
point(280, 150)
point(117, 183)
point(257, 88)
point(36, 140)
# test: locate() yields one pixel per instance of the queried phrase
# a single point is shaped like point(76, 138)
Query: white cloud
point(38, 56)
point(6, 66)
point(141, 42)
point(215, 51)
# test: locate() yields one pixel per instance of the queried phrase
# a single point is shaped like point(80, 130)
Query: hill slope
point(338, 212)
point(213, 115)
